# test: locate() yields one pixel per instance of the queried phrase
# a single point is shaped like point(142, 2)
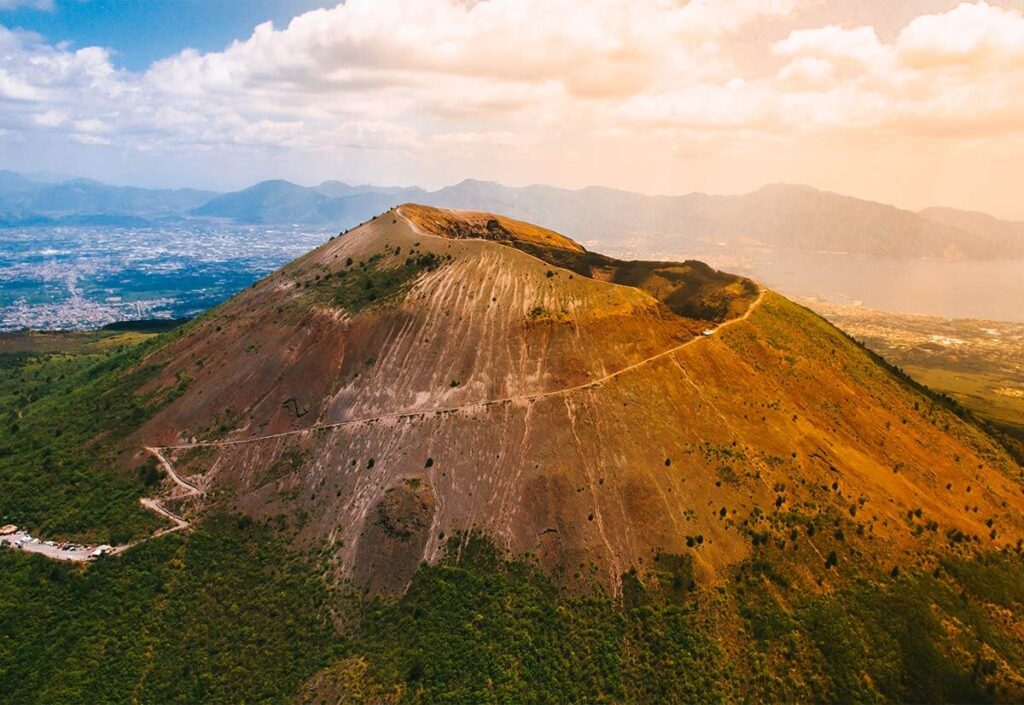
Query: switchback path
point(180, 524)
point(154, 505)
point(157, 452)
point(81, 554)
point(188, 486)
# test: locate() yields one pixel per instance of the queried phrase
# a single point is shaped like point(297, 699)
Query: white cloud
point(860, 45)
point(33, 4)
point(977, 36)
point(50, 118)
point(601, 48)
point(955, 73)
point(14, 88)
point(807, 73)
point(90, 139)
point(412, 81)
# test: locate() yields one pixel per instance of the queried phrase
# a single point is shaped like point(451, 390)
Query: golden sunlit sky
point(916, 102)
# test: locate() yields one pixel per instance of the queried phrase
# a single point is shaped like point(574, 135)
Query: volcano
point(434, 375)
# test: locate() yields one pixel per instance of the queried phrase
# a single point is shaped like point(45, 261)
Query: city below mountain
point(450, 456)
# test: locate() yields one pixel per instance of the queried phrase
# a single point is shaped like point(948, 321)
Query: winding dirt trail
point(158, 452)
point(412, 413)
point(179, 524)
point(153, 503)
point(178, 480)
point(84, 554)
point(192, 489)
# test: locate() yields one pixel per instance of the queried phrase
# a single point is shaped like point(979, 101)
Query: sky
point(916, 103)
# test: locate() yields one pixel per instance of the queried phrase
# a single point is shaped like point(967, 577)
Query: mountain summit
point(436, 374)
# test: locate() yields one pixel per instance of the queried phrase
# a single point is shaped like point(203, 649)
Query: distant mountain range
point(777, 216)
point(330, 203)
point(27, 201)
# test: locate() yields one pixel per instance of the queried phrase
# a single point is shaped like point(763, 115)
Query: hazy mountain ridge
point(781, 216)
point(28, 201)
point(776, 216)
point(975, 221)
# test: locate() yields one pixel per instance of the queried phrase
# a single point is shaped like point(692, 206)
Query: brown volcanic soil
point(775, 428)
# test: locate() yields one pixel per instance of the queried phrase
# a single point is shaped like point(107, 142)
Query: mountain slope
point(82, 196)
point(778, 216)
point(285, 202)
point(984, 227)
point(434, 374)
point(456, 457)
point(266, 202)
point(339, 189)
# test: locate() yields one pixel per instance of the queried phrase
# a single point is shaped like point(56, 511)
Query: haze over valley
point(81, 254)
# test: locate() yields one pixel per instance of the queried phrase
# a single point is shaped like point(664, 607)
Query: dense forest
point(228, 614)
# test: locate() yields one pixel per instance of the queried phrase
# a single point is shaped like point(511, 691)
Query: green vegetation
point(910, 637)
point(62, 414)
point(487, 630)
point(371, 283)
point(226, 614)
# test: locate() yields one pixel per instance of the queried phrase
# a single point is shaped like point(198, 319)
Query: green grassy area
point(370, 283)
point(230, 613)
point(62, 413)
point(976, 390)
point(487, 630)
point(915, 636)
point(28, 343)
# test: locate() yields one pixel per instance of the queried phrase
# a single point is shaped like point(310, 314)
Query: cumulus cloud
point(860, 45)
point(958, 72)
point(421, 80)
point(601, 48)
point(402, 66)
point(50, 118)
point(971, 37)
